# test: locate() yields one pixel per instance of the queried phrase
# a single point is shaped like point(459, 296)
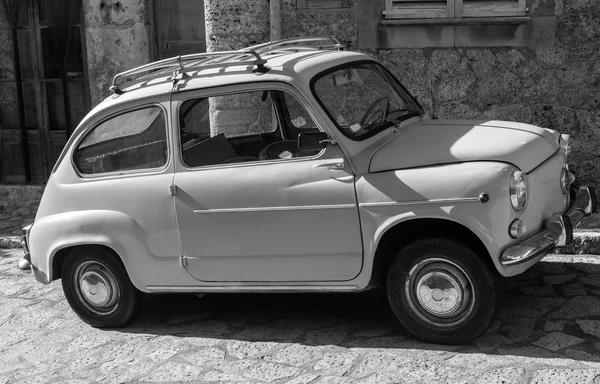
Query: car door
point(250, 219)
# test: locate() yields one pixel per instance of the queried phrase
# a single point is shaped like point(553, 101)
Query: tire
point(98, 289)
point(454, 316)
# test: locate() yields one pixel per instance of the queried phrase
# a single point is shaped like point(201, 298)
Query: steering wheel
point(372, 111)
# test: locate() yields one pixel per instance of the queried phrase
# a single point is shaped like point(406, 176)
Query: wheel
point(441, 291)
point(98, 289)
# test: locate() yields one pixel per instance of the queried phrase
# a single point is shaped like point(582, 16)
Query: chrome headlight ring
point(517, 189)
point(565, 145)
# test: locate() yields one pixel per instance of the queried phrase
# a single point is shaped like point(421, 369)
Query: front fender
point(447, 192)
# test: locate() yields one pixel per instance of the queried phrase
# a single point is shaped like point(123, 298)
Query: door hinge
point(183, 261)
point(173, 189)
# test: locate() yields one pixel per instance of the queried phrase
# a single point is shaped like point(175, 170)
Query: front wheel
point(441, 291)
point(98, 289)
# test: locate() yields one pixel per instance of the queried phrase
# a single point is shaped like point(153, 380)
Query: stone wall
point(235, 24)
point(18, 205)
point(553, 83)
point(117, 39)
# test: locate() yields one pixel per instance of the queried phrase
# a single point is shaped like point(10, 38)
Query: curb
point(10, 242)
point(586, 242)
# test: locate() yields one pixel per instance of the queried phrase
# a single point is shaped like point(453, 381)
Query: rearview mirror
point(312, 141)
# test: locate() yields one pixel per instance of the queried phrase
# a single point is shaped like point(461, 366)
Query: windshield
point(364, 99)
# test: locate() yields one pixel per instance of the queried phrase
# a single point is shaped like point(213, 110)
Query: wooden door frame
point(41, 94)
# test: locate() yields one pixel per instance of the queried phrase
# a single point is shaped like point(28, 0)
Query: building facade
point(532, 61)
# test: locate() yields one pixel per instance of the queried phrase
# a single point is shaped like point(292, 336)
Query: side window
point(130, 141)
point(299, 117)
point(240, 127)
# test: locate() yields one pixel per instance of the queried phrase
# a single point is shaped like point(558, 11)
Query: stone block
point(500, 87)
point(450, 76)
point(482, 61)
point(517, 62)
point(551, 56)
point(557, 340)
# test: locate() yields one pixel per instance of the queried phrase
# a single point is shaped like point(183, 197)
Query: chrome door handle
point(331, 165)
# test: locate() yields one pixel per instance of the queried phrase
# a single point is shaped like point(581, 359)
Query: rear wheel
point(441, 291)
point(98, 289)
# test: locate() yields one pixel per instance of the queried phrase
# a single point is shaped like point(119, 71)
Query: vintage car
point(297, 166)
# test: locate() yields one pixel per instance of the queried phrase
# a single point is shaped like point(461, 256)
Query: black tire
point(455, 315)
point(110, 303)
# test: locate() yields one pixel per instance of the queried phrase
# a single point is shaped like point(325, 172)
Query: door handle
point(334, 165)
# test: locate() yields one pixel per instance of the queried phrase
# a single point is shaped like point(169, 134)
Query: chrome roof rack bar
point(177, 63)
point(259, 48)
point(227, 58)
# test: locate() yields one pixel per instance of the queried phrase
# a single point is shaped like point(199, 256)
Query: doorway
point(37, 118)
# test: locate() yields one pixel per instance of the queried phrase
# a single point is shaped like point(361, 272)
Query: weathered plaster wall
point(117, 39)
point(554, 84)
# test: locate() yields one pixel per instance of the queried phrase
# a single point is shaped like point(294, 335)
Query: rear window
point(133, 140)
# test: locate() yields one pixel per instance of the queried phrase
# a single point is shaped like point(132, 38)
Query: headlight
point(517, 189)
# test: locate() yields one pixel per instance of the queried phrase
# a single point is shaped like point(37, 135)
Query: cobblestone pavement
point(548, 331)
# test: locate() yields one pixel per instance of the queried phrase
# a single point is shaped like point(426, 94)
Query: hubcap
point(439, 293)
point(98, 287)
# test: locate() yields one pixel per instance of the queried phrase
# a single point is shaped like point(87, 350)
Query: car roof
point(291, 64)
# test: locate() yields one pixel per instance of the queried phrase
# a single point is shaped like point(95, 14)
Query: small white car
point(297, 166)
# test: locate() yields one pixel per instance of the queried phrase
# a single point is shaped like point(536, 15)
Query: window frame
point(338, 4)
point(456, 9)
point(81, 137)
point(233, 89)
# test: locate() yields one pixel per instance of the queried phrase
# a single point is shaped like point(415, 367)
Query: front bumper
point(558, 231)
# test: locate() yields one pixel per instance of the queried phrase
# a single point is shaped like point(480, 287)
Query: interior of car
point(251, 126)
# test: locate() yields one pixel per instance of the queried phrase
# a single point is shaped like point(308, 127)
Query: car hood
point(432, 142)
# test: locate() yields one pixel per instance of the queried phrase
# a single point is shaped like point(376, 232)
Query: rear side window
point(130, 141)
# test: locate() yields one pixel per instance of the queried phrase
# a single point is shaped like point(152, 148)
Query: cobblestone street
point(548, 331)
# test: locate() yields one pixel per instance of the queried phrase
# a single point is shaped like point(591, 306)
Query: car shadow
point(549, 312)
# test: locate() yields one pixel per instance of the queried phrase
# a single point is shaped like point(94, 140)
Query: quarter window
point(130, 141)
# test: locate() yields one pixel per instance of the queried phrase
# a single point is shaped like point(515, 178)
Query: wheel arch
point(61, 255)
point(405, 232)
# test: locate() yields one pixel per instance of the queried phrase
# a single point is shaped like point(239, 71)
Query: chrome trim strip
point(417, 202)
point(269, 209)
point(252, 288)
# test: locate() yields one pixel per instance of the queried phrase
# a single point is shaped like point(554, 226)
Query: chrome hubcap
point(439, 293)
point(98, 287)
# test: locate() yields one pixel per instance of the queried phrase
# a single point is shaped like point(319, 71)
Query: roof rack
point(179, 64)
